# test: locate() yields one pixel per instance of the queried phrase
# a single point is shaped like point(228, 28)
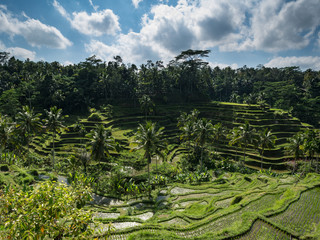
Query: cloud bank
point(270, 26)
point(33, 31)
point(103, 22)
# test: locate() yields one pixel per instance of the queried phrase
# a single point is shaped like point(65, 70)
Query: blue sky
point(275, 33)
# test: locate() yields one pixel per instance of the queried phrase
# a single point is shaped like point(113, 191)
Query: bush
point(48, 211)
point(94, 117)
point(27, 180)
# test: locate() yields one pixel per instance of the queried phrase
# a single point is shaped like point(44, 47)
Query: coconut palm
point(146, 104)
point(245, 137)
point(203, 133)
point(6, 131)
point(54, 123)
point(219, 132)
point(310, 143)
point(101, 142)
point(295, 146)
point(186, 124)
point(29, 123)
point(149, 138)
point(234, 138)
point(81, 130)
point(265, 140)
point(84, 158)
point(185, 118)
point(187, 133)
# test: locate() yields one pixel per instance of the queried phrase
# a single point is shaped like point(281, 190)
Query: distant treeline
point(187, 78)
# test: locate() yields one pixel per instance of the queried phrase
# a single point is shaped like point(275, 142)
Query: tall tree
point(146, 104)
point(54, 123)
point(101, 141)
point(219, 132)
point(203, 133)
point(149, 138)
point(186, 124)
point(245, 137)
point(265, 140)
point(310, 143)
point(233, 137)
point(29, 123)
point(295, 147)
point(6, 131)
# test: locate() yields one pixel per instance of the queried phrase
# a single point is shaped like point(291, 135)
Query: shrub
point(27, 180)
point(48, 211)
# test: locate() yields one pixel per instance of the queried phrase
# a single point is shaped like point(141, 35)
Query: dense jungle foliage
point(186, 79)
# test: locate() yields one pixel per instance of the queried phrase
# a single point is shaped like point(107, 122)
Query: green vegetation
point(167, 160)
point(48, 210)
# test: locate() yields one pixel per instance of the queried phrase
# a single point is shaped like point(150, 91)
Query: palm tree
point(219, 132)
point(54, 124)
point(6, 130)
point(28, 123)
point(146, 104)
point(203, 133)
point(234, 138)
point(81, 130)
point(245, 137)
point(84, 158)
point(295, 146)
point(186, 124)
point(101, 141)
point(265, 140)
point(149, 138)
point(187, 133)
point(310, 143)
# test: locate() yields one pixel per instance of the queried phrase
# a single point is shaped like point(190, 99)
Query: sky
point(274, 33)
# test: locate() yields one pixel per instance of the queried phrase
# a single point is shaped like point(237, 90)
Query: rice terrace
point(134, 120)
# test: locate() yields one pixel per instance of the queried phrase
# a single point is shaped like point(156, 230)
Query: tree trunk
point(201, 160)
point(5, 153)
point(261, 158)
point(244, 153)
point(53, 136)
point(149, 160)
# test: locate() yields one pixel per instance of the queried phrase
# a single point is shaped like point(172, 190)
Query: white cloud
point(168, 30)
point(129, 47)
point(66, 63)
point(136, 3)
point(278, 25)
point(96, 24)
point(223, 65)
point(22, 53)
point(302, 62)
point(61, 10)
point(18, 52)
point(35, 32)
point(229, 25)
point(95, 7)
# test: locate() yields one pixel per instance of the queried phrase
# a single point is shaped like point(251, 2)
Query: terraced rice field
point(125, 122)
point(257, 211)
